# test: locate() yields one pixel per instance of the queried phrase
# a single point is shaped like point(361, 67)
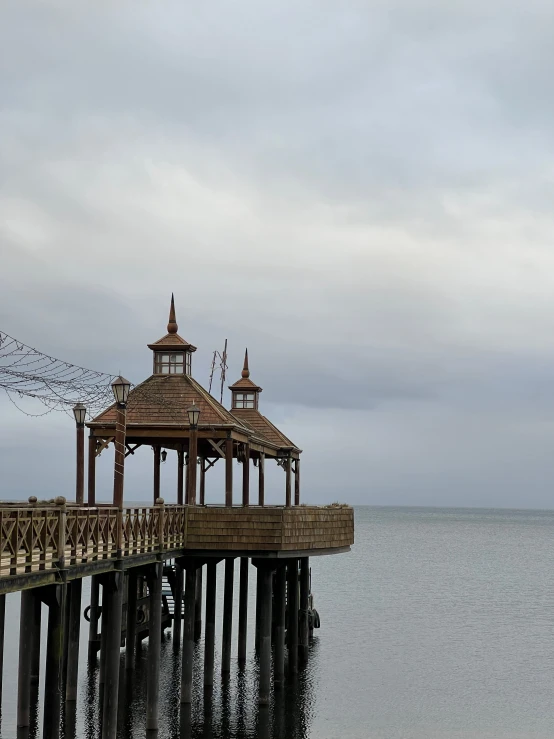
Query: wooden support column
point(246, 476)
point(257, 624)
point(103, 639)
point(177, 607)
point(202, 500)
point(292, 614)
point(198, 606)
point(243, 609)
point(66, 634)
point(279, 618)
point(93, 638)
point(227, 616)
point(288, 466)
point(2, 625)
point(157, 461)
point(193, 462)
point(297, 482)
point(91, 494)
point(113, 645)
point(25, 657)
point(180, 475)
point(187, 469)
point(265, 632)
point(229, 471)
point(131, 630)
point(304, 625)
point(73, 630)
point(154, 647)
point(209, 643)
point(188, 632)
point(35, 659)
point(55, 600)
point(261, 479)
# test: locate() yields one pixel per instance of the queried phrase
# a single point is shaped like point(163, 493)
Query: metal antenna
point(219, 359)
point(223, 366)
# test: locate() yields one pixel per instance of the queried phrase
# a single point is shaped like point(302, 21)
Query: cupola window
point(172, 363)
point(245, 400)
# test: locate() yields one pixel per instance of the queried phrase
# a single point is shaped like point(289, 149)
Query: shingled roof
point(251, 417)
point(262, 427)
point(165, 399)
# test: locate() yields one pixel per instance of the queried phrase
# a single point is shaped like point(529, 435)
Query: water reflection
point(230, 711)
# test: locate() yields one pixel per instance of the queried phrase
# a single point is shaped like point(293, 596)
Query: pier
point(47, 548)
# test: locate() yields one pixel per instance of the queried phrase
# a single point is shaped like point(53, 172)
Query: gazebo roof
point(164, 400)
point(252, 417)
point(262, 426)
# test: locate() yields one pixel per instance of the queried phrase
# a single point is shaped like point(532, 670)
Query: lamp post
point(193, 414)
point(120, 388)
point(80, 412)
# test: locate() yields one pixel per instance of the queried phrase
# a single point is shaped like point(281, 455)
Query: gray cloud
point(359, 192)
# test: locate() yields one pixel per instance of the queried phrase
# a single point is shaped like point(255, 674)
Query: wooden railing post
point(160, 505)
point(62, 531)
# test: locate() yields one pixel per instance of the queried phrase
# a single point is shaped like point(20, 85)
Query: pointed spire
point(245, 370)
point(172, 326)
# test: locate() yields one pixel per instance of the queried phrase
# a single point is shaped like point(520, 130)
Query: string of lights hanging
point(26, 372)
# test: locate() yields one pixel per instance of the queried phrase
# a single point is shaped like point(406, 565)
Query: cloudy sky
point(361, 192)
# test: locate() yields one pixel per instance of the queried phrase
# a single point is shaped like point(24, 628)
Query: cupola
point(172, 354)
point(245, 393)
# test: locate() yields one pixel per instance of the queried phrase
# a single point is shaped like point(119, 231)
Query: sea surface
point(438, 625)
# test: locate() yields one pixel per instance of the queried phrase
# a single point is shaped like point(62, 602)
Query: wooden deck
point(45, 540)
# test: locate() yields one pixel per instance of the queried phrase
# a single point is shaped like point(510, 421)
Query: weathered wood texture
point(35, 539)
point(270, 529)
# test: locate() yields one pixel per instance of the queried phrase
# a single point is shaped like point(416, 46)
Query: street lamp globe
point(120, 389)
point(80, 413)
point(193, 414)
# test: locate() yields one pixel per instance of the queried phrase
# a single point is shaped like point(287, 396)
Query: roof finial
point(172, 326)
point(245, 370)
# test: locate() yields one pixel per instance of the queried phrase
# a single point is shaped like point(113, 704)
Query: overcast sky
point(361, 192)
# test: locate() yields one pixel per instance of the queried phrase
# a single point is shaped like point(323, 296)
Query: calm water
point(438, 624)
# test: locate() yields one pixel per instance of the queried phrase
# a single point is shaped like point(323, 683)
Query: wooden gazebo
point(157, 415)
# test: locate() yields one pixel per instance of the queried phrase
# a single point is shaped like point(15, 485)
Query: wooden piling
point(74, 629)
point(257, 623)
point(279, 619)
point(25, 657)
point(209, 643)
point(292, 614)
point(112, 625)
point(2, 625)
point(188, 633)
point(35, 659)
point(304, 626)
point(198, 606)
point(265, 633)
point(243, 609)
point(177, 606)
point(154, 648)
point(227, 615)
point(131, 626)
point(93, 638)
point(55, 599)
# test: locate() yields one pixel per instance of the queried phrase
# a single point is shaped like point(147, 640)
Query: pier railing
point(37, 538)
